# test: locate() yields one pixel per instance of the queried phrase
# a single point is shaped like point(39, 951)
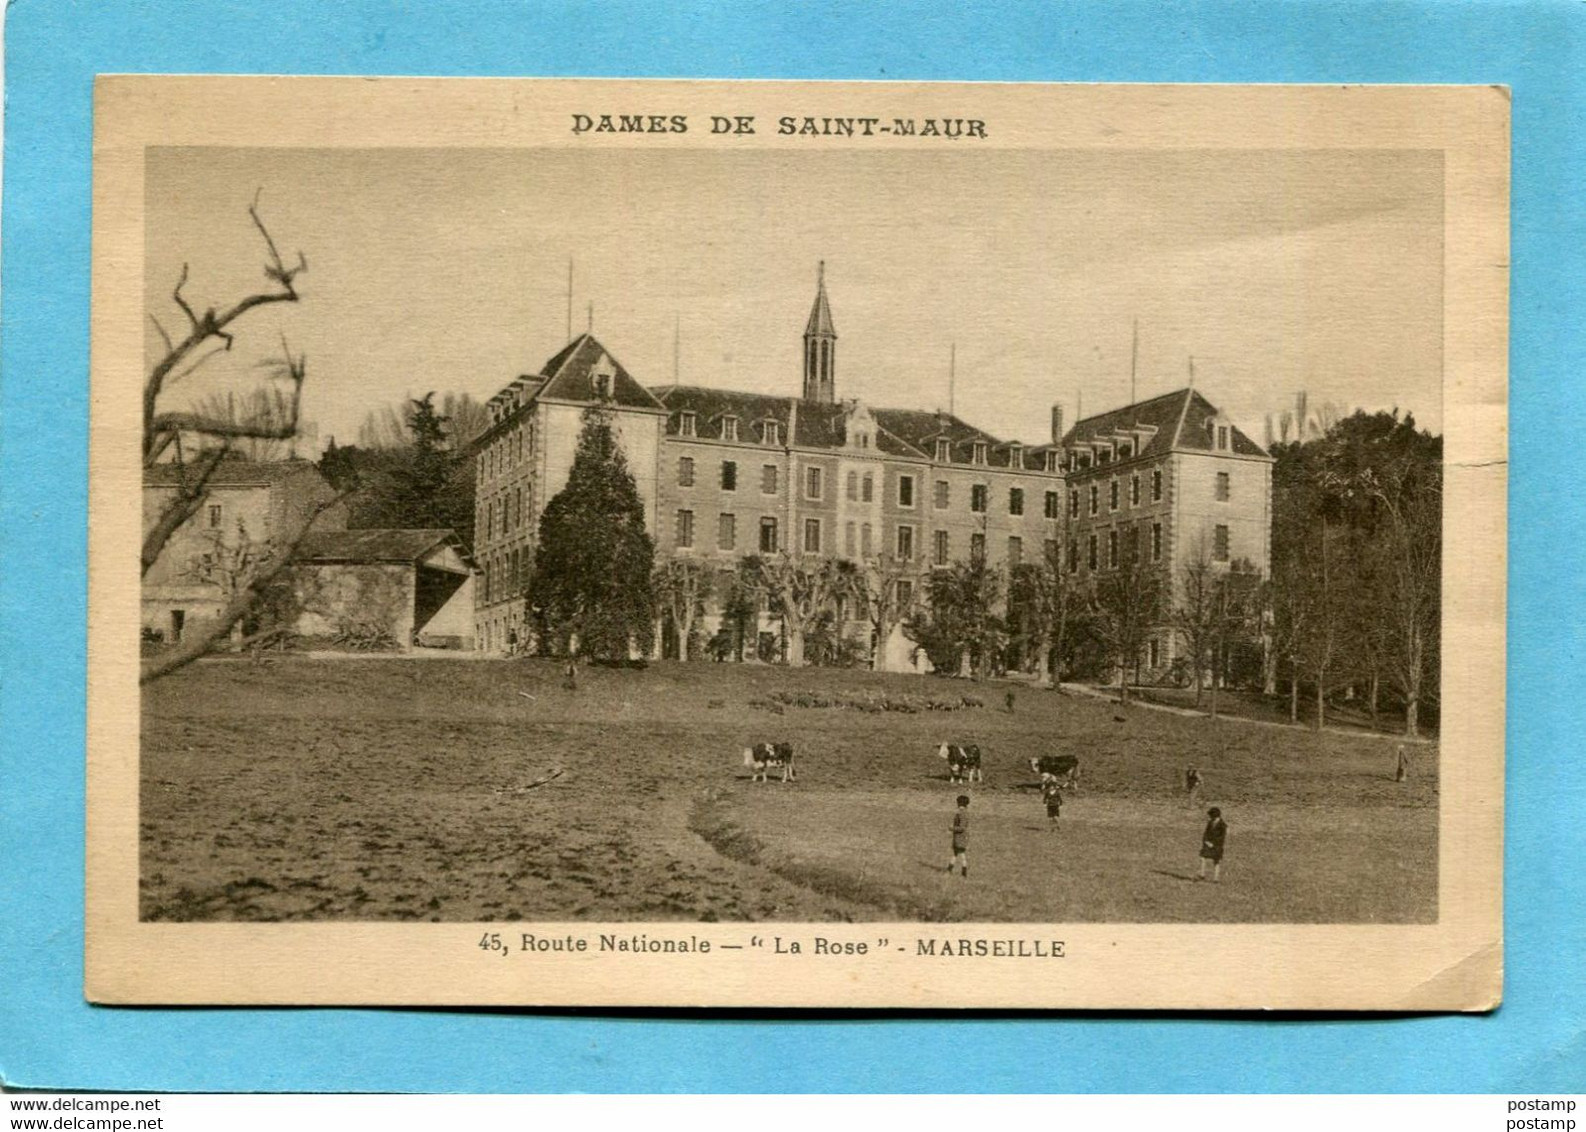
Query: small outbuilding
point(382, 587)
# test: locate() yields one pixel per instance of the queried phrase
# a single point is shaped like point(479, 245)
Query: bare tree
point(269, 411)
point(386, 427)
point(168, 433)
point(1195, 613)
point(1128, 604)
point(887, 594)
point(800, 593)
point(1042, 601)
point(682, 585)
point(1410, 540)
point(1235, 617)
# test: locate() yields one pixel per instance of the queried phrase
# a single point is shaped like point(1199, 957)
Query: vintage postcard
point(659, 543)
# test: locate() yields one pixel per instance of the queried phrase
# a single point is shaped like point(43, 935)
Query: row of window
point(507, 514)
point(1124, 545)
point(505, 574)
point(500, 457)
point(858, 539)
point(861, 488)
point(1114, 490)
point(770, 430)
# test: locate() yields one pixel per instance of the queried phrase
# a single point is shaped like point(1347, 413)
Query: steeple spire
point(820, 346)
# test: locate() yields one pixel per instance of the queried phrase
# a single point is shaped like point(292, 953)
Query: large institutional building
point(724, 474)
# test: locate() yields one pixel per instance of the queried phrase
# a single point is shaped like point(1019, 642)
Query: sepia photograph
point(697, 531)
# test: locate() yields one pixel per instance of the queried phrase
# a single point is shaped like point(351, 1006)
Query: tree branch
point(211, 324)
point(237, 608)
point(190, 496)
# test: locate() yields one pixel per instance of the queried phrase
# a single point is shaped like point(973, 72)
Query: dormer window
point(729, 428)
point(1016, 456)
point(980, 452)
point(1051, 461)
point(685, 423)
point(1102, 456)
point(944, 451)
point(1222, 438)
point(1123, 451)
point(772, 434)
point(603, 387)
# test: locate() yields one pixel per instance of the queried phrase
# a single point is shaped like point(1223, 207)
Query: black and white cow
point(1051, 768)
point(963, 762)
point(762, 758)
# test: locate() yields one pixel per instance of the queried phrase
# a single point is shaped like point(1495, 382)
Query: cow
point(762, 758)
point(1051, 768)
point(963, 762)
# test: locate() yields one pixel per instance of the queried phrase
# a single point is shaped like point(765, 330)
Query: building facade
point(725, 474)
point(248, 507)
point(402, 588)
point(1169, 482)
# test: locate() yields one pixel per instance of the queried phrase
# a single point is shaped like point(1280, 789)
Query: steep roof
point(570, 376)
point(815, 424)
point(822, 425)
point(922, 429)
point(709, 406)
point(1180, 418)
point(374, 545)
point(230, 473)
point(820, 322)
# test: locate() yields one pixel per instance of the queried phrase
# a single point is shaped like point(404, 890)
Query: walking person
point(1052, 795)
point(960, 838)
point(1213, 839)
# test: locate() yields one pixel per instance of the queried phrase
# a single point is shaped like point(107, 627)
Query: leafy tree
point(740, 610)
point(960, 631)
point(423, 482)
point(593, 569)
point(1045, 605)
point(1355, 594)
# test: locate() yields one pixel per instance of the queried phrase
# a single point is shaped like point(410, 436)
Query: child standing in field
point(1052, 795)
point(1192, 783)
point(1212, 841)
point(960, 838)
point(1401, 770)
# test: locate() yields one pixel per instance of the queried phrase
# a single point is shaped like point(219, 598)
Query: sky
point(1275, 271)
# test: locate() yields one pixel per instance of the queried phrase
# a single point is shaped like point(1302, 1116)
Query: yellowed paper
point(1065, 321)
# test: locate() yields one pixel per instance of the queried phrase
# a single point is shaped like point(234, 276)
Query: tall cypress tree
point(592, 569)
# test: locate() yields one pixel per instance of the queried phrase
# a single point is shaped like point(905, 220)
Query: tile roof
point(1181, 420)
point(709, 406)
point(922, 429)
point(230, 473)
point(375, 545)
point(569, 376)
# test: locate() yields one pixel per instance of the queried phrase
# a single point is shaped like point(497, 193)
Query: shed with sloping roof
point(411, 588)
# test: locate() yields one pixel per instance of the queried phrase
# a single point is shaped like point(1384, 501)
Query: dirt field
point(396, 789)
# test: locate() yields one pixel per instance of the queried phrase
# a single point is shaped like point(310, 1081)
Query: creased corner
point(1472, 985)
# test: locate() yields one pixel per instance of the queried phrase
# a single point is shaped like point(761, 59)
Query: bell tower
point(820, 347)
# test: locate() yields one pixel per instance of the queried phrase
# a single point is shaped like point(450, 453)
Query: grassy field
point(401, 790)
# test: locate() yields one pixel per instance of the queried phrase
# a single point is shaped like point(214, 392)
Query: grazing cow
point(963, 762)
point(1054, 767)
point(762, 758)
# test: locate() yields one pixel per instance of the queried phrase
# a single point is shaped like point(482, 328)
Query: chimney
point(1057, 424)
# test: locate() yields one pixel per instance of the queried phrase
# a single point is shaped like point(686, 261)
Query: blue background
point(49, 1037)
